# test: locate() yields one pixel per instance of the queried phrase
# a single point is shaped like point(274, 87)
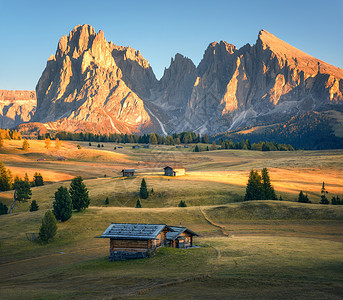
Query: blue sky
point(30, 30)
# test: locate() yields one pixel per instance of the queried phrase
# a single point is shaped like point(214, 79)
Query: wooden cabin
point(135, 147)
point(180, 237)
point(174, 171)
point(131, 241)
point(128, 172)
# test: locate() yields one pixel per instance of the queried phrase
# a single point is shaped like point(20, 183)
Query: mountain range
point(92, 85)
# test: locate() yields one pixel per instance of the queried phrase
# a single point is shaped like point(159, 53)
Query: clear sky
point(30, 30)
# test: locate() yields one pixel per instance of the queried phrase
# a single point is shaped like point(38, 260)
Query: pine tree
point(38, 179)
point(22, 192)
point(62, 206)
point(152, 139)
point(58, 143)
point(196, 149)
point(79, 194)
point(25, 145)
point(323, 199)
point(254, 189)
point(205, 139)
point(47, 143)
point(48, 228)
point(34, 206)
point(26, 178)
point(182, 204)
point(143, 192)
point(1, 142)
point(89, 144)
point(268, 190)
point(303, 198)
point(107, 201)
point(6, 178)
point(138, 204)
point(3, 209)
point(336, 200)
point(214, 146)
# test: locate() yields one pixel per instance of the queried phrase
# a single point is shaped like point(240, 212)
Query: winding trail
point(222, 228)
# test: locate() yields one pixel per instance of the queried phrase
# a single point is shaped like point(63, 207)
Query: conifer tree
point(107, 201)
point(143, 192)
point(6, 178)
point(205, 139)
point(323, 199)
point(254, 189)
point(25, 145)
point(22, 193)
point(303, 198)
point(79, 194)
point(26, 178)
point(47, 142)
point(58, 143)
point(34, 206)
point(38, 179)
point(3, 209)
point(214, 146)
point(268, 190)
point(62, 206)
point(48, 228)
point(182, 204)
point(138, 204)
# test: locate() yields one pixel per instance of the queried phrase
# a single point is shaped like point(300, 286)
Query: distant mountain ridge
point(93, 85)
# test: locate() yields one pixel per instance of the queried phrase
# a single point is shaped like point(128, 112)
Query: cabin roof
point(128, 170)
point(125, 231)
point(177, 231)
point(175, 167)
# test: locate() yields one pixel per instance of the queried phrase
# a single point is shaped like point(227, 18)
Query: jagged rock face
point(87, 80)
point(258, 84)
point(16, 107)
point(93, 85)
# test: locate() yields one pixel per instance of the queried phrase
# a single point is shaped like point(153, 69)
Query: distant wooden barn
point(135, 147)
point(128, 172)
point(130, 241)
point(174, 171)
point(181, 237)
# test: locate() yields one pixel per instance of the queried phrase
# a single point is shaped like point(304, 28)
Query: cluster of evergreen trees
point(260, 146)
point(152, 138)
point(335, 200)
point(259, 186)
point(76, 198)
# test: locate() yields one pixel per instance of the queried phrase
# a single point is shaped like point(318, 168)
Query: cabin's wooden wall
point(128, 245)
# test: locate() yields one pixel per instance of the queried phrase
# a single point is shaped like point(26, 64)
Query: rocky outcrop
point(16, 107)
point(261, 84)
point(93, 85)
point(86, 84)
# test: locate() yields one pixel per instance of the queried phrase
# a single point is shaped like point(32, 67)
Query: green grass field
point(249, 250)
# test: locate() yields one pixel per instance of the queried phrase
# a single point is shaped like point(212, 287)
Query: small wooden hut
point(131, 241)
point(174, 171)
point(180, 237)
point(128, 172)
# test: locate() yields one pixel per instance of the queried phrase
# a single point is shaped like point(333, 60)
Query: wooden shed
point(128, 172)
point(131, 241)
point(174, 171)
point(180, 237)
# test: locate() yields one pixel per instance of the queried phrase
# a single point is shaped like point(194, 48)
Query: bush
point(78, 146)
point(48, 228)
point(34, 206)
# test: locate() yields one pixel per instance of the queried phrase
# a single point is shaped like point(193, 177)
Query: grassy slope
point(274, 249)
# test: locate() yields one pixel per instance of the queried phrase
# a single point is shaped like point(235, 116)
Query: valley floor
point(249, 250)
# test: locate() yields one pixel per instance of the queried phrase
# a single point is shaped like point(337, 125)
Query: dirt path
point(222, 228)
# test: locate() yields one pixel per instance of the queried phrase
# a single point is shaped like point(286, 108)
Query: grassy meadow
point(249, 250)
